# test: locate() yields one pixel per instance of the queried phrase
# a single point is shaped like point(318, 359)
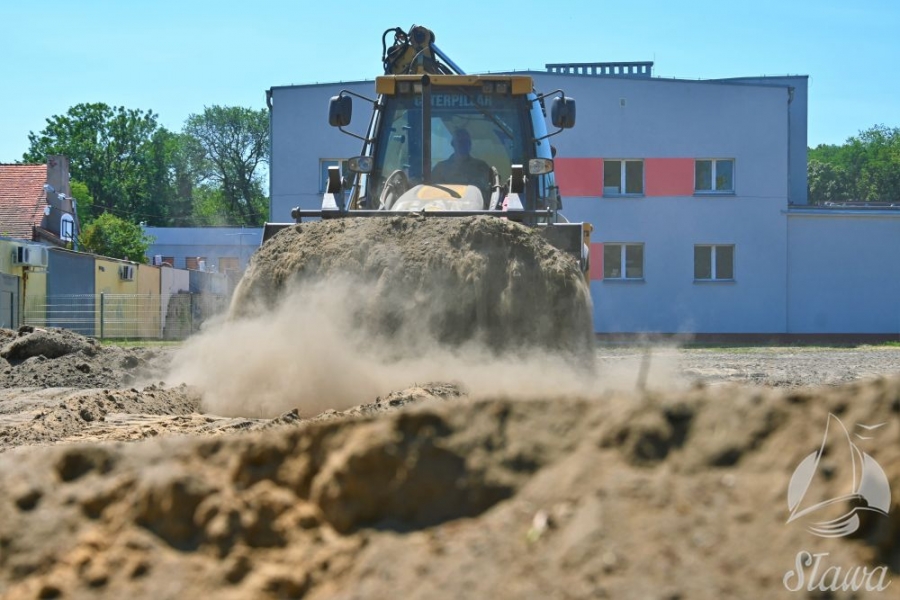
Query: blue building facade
point(210, 249)
point(697, 191)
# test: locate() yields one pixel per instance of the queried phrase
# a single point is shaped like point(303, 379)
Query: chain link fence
point(126, 316)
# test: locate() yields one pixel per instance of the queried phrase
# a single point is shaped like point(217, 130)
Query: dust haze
point(311, 352)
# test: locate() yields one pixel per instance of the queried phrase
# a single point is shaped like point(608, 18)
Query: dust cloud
point(311, 352)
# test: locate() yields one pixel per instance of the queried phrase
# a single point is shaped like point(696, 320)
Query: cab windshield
point(494, 123)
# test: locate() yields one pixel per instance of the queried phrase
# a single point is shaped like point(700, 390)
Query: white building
point(698, 195)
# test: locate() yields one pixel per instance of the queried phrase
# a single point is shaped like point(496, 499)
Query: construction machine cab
point(411, 143)
point(410, 161)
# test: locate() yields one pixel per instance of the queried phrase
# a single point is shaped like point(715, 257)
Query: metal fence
point(126, 316)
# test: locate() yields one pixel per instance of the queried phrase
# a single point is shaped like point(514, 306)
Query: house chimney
point(58, 174)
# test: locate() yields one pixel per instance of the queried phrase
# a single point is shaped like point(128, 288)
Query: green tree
point(84, 202)
point(174, 173)
point(866, 168)
point(108, 151)
point(233, 145)
point(111, 236)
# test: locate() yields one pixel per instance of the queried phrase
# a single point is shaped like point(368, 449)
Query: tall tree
point(84, 203)
point(107, 148)
point(866, 168)
point(173, 176)
point(111, 236)
point(234, 144)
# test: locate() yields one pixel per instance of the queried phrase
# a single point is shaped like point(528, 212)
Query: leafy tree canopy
point(864, 169)
point(233, 145)
point(212, 173)
point(84, 202)
point(107, 149)
point(111, 236)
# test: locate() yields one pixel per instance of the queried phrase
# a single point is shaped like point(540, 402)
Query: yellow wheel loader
point(441, 144)
point(424, 100)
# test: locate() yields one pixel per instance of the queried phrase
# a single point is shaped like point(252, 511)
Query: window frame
point(623, 261)
point(713, 263)
point(713, 168)
point(228, 262)
point(195, 260)
point(67, 228)
point(623, 179)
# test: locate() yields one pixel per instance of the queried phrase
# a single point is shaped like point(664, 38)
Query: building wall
point(148, 287)
point(70, 288)
point(301, 137)
point(668, 124)
point(172, 283)
point(796, 270)
point(843, 276)
point(107, 278)
point(9, 301)
point(210, 243)
point(115, 317)
point(34, 293)
point(668, 299)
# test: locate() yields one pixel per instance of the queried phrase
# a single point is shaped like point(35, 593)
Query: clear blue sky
point(175, 57)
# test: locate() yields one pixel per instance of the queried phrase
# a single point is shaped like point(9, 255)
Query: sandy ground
point(670, 481)
point(402, 431)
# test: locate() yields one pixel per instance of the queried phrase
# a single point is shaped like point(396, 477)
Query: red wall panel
point(579, 176)
point(669, 177)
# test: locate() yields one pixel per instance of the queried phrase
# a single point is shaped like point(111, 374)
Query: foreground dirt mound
point(49, 416)
point(52, 357)
point(620, 496)
point(450, 280)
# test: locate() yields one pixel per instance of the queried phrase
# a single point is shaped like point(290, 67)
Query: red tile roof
point(22, 199)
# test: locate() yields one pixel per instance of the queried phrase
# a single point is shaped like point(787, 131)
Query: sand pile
point(451, 280)
point(52, 357)
point(679, 495)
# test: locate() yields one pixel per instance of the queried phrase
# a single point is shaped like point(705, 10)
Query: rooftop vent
point(621, 69)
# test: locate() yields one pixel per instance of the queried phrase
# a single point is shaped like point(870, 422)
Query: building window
point(229, 263)
point(168, 260)
point(67, 228)
point(713, 263)
point(195, 263)
point(324, 163)
point(714, 175)
point(623, 261)
point(622, 177)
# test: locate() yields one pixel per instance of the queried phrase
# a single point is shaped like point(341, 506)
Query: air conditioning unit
point(157, 260)
point(126, 272)
point(31, 256)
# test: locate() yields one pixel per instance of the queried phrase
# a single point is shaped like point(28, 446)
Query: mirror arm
point(541, 97)
point(544, 137)
point(361, 97)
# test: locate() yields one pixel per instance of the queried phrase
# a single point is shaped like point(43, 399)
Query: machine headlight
point(360, 164)
point(540, 166)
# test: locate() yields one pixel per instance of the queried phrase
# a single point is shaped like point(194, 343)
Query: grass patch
point(139, 343)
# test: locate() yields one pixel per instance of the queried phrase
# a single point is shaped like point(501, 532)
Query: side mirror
point(563, 112)
point(340, 110)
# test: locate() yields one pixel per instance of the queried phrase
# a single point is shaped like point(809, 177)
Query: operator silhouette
point(462, 168)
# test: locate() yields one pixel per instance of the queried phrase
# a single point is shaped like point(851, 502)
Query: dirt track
point(678, 491)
